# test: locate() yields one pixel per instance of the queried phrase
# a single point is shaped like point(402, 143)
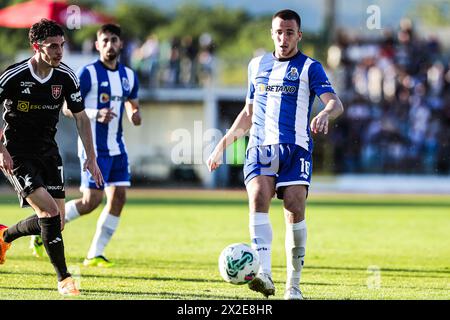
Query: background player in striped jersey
point(109, 89)
point(281, 91)
point(33, 92)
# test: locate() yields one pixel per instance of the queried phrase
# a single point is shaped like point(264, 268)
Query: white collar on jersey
point(36, 76)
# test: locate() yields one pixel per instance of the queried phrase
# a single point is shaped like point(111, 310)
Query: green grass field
point(168, 243)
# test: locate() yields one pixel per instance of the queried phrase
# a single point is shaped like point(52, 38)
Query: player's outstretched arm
point(85, 133)
point(333, 108)
point(133, 113)
point(240, 126)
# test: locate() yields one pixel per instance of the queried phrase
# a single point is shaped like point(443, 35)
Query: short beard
point(111, 57)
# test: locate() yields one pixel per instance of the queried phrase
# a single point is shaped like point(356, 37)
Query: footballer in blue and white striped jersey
point(101, 88)
point(109, 89)
point(282, 87)
point(282, 92)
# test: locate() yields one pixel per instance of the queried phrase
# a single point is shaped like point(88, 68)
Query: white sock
point(71, 211)
point(106, 225)
point(261, 237)
point(295, 244)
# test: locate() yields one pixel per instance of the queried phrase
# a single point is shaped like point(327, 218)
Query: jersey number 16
point(304, 166)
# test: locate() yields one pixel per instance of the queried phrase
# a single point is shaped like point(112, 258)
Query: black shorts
point(31, 173)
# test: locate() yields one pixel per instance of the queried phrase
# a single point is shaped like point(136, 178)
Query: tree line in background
point(234, 33)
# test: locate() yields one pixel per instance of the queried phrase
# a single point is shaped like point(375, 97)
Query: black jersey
point(31, 107)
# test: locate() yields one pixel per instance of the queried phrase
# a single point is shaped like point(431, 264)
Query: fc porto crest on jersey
point(293, 74)
point(125, 84)
point(56, 91)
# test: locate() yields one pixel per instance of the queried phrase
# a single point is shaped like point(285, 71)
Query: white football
point(238, 263)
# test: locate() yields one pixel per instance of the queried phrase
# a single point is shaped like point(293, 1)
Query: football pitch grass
point(168, 242)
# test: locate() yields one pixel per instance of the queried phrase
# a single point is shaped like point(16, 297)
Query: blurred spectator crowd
point(180, 62)
point(397, 104)
point(395, 90)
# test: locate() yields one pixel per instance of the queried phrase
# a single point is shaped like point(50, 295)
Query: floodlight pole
point(329, 29)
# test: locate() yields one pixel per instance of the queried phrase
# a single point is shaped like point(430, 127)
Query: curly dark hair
point(43, 29)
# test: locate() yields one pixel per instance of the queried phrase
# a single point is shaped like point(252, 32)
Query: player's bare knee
point(259, 203)
point(91, 203)
point(260, 197)
point(46, 209)
point(293, 205)
point(294, 198)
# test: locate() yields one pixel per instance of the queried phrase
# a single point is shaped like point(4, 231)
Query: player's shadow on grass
point(138, 294)
point(40, 289)
point(386, 272)
point(120, 262)
point(166, 295)
point(365, 269)
point(316, 203)
point(114, 276)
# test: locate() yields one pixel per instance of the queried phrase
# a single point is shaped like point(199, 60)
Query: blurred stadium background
point(388, 61)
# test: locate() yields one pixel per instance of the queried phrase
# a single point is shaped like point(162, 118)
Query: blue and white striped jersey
point(101, 88)
point(282, 92)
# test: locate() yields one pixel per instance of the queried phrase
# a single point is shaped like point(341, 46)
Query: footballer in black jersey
point(32, 94)
point(31, 112)
point(32, 106)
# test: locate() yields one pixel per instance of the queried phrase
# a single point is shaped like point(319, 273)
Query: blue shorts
point(290, 164)
point(115, 171)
